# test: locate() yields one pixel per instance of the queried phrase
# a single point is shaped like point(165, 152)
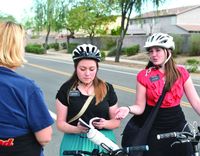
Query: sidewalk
point(63, 55)
point(111, 60)
point(127, 60)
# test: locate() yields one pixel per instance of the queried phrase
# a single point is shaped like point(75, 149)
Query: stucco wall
point(102, 42)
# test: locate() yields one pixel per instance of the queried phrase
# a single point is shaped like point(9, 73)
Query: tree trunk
point(91, 38)
point(71, 35)
point(68, 42)
point(126, 8)
point(46, 39)
point(120, 40)
point(118, 49)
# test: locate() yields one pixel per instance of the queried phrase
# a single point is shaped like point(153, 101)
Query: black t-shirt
point(77, 100)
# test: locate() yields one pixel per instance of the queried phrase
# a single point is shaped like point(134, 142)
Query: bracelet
point(129, 109)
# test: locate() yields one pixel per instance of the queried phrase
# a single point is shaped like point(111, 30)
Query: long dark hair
point(100, 87)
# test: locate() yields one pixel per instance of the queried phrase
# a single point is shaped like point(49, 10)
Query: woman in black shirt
point(73, 94)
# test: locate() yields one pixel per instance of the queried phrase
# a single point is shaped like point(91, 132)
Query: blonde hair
point(12, 37)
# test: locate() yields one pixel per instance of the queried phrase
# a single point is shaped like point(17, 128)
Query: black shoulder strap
point(151, 117)
point(161, 98)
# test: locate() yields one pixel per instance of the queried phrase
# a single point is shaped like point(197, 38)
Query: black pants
point(25, 145)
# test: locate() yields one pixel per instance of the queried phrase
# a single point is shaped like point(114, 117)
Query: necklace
point(86, 88)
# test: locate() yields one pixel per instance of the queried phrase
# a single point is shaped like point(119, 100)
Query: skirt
point(168, 120)
point(81, 142)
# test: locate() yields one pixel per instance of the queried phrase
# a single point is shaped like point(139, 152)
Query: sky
point(20, 8)
point(16, 8)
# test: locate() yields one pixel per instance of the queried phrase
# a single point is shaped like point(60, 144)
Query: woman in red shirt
point(162, 70)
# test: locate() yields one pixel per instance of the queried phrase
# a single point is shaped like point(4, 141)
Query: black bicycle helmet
point(161, 40)
point(86, 51)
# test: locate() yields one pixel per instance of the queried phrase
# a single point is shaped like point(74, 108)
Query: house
point(182, 20)
point(115, 24)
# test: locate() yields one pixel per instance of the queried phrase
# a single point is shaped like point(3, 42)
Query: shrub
point(71, 47)
point(54, 46)
point(35, 48)
point(116, 31)
point(101, 31)
point(192, 65)
point(132, 50)
point(110, 44)
point(103, 55)
point(107, 43)
point(113, 51)
point(46, 45)
point(178, 45)
point(64, 45)
point(35, 36)
point(194, 45)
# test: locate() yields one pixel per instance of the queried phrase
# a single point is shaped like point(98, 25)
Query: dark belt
point(25, 145)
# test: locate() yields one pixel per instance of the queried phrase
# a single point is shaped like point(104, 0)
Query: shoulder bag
point(138, 127)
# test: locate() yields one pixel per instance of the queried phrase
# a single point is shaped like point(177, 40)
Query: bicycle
point(184, 137)
point(101, 140)
point(119, 152)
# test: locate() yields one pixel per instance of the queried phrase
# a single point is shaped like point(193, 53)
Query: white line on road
point(53, 115)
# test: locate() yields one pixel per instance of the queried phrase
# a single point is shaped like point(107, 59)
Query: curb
point(65, 56)
point(126, 60)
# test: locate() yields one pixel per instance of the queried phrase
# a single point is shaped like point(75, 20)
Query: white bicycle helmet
point(161, 40)
point(86, 51)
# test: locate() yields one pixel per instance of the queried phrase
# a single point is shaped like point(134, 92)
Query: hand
point(121, 113)
point(99, 123)
point(81, 128)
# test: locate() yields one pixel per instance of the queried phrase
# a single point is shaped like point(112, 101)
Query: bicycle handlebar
point(95, 152)
point(135, 148)
point(192, 137)
point(181, 136)
point(77, 152)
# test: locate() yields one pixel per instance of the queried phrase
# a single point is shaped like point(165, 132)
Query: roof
point(190, 27)
point(168, 12)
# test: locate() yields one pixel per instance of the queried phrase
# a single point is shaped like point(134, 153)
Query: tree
point(5, 17)
point(72, 23)
point(39, 17)
point(48, 16)
point(126, 7)
point(93, 14)
point(61, 11)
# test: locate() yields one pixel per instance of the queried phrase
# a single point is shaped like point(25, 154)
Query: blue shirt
point(22, 106)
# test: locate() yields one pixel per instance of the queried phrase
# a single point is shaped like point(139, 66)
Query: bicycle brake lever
point(119, 152)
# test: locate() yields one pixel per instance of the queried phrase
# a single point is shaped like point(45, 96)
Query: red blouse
point(154, 82)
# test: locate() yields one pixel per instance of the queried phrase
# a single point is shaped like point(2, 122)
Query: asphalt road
point(50, 72)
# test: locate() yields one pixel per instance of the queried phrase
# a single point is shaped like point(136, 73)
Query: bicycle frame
point(120, 152)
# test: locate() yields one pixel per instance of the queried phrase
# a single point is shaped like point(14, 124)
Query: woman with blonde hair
point(25, 123)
